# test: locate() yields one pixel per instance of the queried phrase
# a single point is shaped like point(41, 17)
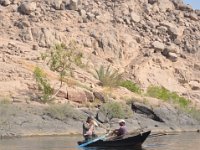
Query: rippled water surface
point(184, 141)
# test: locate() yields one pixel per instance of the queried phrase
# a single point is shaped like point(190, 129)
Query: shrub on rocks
point(107, 77)
point(43, 85)
point(63, 111)
point(166, 95)
point(61, 57)
point(131, 86)
point(116, 110)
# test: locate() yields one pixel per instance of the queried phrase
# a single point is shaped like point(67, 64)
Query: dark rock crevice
point(142, 109)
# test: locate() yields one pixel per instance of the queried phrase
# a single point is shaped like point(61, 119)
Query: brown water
point(183, 141)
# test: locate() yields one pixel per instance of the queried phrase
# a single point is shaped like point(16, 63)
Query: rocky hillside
point(152, 42)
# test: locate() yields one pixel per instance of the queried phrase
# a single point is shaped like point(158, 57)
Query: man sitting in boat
point(88, 129)
point(120, 132)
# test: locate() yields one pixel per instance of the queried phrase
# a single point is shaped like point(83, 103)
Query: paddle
point(92, 141)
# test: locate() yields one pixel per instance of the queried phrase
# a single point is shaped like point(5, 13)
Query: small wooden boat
point(130, 140)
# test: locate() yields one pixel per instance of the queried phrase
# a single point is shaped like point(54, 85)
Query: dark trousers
point(90, 137)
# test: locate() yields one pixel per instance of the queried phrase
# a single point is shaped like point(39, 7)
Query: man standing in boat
point(89, 129)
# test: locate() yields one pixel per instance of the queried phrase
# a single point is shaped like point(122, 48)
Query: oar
point(92, 141)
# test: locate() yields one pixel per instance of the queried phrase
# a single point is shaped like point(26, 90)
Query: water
point(184, 141)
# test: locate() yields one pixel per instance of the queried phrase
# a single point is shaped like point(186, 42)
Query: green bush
point(166, 95)
point(183, 102)
point(43, 85)
point(61, 57)
point(107, 77)
point(63, 111)
point(116, 110)
point(158, 92)
point(131, 86)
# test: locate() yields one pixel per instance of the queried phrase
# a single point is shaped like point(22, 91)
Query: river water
point(183, 141)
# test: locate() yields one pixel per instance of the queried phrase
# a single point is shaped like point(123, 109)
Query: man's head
point(122, 122)
point(89, 119)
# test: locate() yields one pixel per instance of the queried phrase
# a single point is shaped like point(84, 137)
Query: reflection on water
point(185, 141)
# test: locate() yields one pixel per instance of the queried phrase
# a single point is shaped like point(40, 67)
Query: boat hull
point(130, 141)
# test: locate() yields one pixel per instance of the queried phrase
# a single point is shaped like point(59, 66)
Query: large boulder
point(135, 17)
point(173, 48)
point(105, 17)
point(108, 41)
point(194, 17)
point(165, 5)
point(57, 4)
point(102, 117)
point(62, 93)
point(173, 57)
point(143, 109)
point(75, 4)
point(46, 37)
point(170, 55)
point(171, 115)
point(77, 95)
point(181, 6)
point(100, 96)
point(172, 29)
point(27, 7)
point(158, 46)
point(26, 35)
point(152, 1)
point(195, 85)
point(5, 2)
point(89, 95)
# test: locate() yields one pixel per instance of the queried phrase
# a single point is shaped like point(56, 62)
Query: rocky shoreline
point(22, 121)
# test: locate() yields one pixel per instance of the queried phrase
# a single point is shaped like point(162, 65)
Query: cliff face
point(152, 42)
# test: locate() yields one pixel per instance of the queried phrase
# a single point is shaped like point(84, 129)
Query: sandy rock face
point(142, 39)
